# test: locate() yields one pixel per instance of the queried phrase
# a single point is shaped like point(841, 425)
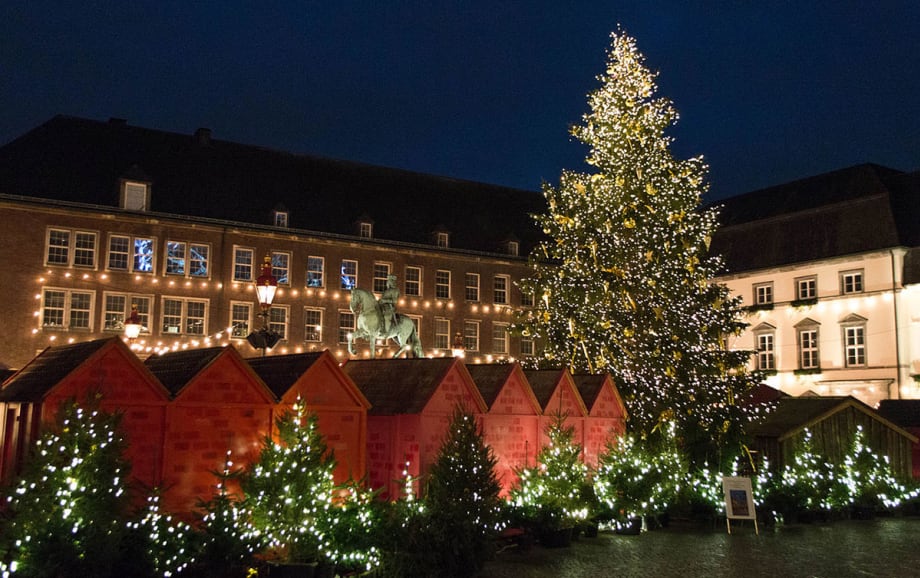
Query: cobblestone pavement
point(882, 548)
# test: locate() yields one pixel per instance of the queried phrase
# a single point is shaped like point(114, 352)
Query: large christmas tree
point(623, 285)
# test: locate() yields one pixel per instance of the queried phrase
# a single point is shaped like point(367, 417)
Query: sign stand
point(739, 501)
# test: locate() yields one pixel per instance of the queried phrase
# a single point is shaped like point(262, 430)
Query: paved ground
point(884, 547)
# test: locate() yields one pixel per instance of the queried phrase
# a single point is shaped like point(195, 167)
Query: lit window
point(763, 294)
point(413, 284)
point(441, 333)
point(281, 267)
point(240, 319)
point(381, 272)
point(500, 289)
point(70, 248)
point(806, 288)
point(278, 320)
point(500, 338)
point(243, 260)
point(315, 267)
point(471, 289)
point(851, 282)
point(346, 325)
point(184, 316)
point(442, 284)
point(471, 335)
point(349, 274)
point(765, 352)
point(808, 349)
point(175, 258)
point(313, 325)
point(855, 345)
point(67, 309)
point(118, 308)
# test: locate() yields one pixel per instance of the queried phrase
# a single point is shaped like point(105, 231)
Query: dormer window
point(280, 218)
point(366, 230)
point(135, 196)
point(513, 248)
point(442, 239)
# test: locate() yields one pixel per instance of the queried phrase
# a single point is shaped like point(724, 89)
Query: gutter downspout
point(897, 331)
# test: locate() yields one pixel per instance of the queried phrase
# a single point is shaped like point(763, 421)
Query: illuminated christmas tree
point(623, 283)
point(66, 515)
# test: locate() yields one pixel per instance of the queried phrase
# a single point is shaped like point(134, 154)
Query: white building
point(828, 268)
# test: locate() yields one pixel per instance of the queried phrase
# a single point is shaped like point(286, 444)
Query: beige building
point(827, 267)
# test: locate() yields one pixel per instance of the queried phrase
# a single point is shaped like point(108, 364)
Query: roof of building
point(904, 412)
point(793, 414)
point(543, 382)
point(281, 372)
point(398, 386)
point(589, 386)
point(47, 369)
point(80, 160)
point(490, 378)
point(177, 368)
point(849, 211)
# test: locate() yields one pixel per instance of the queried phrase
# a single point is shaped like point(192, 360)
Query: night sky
point(767, 91)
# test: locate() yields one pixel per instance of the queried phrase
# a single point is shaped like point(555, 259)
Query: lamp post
point(133, 324)
point(266, 285)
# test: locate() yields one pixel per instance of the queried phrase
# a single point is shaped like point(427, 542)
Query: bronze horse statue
point(369, 325)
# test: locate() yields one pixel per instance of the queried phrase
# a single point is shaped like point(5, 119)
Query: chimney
point(203, 136)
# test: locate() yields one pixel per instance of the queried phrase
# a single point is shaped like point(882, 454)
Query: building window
point(184, 316)
point(67, 309)
point(763, 294)
point(442, 240)
point(240, 319)
point(312, 325)
point(118, 308)
point(851, 282)
point(471, 290)
point(500, 289)
point(806, 288)
point(281, 219)
point(349, 274)
point(281, 267)
point(70, 248)
point(765, 352)
point(854, 337)
point(808, 348)
point(346, 325)
point(242, 264)
point(381, 272)
point(441, 333)
point(413, 284)
point(500, 338)
point(135, 196)
point(315, 266)
point(471, 335)
point(134, 254)
point(514, 248)
point(527, 299)
point(189, 259)
point(442, 284)
point(365, 230)
point(527, 347)
point(278, 320)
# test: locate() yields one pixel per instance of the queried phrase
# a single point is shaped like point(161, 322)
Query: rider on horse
point(387, 303)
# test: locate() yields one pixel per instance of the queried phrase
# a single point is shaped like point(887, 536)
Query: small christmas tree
point(623, 285)
point(462, 499)
point(549, 495)
point(67, 515)
point(290, 488)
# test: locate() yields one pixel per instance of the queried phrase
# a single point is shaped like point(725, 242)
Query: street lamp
point(266, 285)
point(133, 324)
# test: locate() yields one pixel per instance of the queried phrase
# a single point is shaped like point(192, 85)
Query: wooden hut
point(219, 405)
point(511, 424)
point(317, 379)
point(104, 371)
point(557, 395)
point(606, 418)
point(412, 402)
point(906, 414)
point(832, 422)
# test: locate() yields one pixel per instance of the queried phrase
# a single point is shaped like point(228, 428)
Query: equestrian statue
point(378, 320)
